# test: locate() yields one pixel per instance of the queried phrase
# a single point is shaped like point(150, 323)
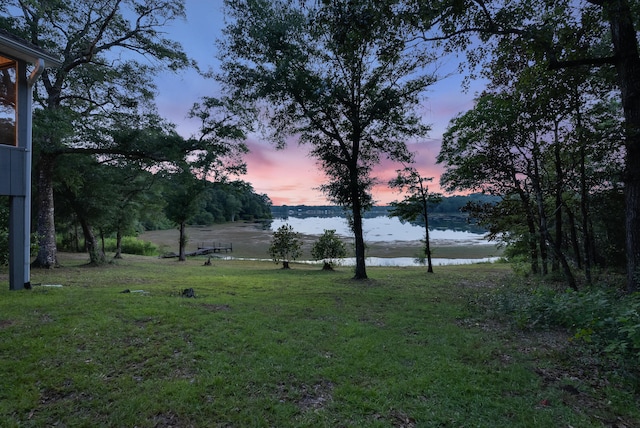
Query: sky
point(290, 176)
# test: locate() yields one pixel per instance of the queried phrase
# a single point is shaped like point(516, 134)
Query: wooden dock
point(203, 250)
point(215, 247)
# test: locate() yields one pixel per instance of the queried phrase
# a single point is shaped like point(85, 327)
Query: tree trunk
point(584, 215)
point(584, 197)
point(361, 270)
point(96, 256)
point(623, 35)
point(575, 244)
point(356, 209)
point(118, 254)
point(531, 228)
point(545, 236)
point(542, 243)
point(559, 184)
point(427, 244)
point(542, 216)
point(47, 250)
point(183, 243)
point(285, 264)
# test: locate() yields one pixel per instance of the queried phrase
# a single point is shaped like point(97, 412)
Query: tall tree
point(595, 33)
point(85, 188)
point(415, 205)
point(342, 76)
point(485, 150)
point(214, 155)
point(105, 47)
point(182, 193)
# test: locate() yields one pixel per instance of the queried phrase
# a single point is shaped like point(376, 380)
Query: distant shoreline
point(251, 241)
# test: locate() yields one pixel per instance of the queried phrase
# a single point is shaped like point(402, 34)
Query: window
point(7, 101)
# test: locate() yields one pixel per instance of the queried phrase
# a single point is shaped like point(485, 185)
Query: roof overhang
point(20, 49)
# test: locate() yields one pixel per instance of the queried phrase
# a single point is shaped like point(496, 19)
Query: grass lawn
point(260, 346)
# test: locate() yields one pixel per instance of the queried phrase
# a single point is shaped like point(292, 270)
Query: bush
point(132, 245)
point(328, 248)
point(285, 245)
point(607, 321)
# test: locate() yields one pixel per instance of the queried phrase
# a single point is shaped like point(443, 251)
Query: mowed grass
point(260, 346)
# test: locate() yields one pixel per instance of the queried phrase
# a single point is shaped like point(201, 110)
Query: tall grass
point(260, 346)
point(132, 245)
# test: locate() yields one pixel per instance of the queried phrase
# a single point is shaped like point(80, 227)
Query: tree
point(133, 190)
point(593, 33)
point(285, 245)
point(182, 192)
point(415, 206)
point(229, 201)
point(510, 147)
point(343, 77)
point(85, 189)
point(105, 47)
point(328, 248)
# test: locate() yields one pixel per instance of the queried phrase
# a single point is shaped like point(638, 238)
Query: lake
point(385, 229)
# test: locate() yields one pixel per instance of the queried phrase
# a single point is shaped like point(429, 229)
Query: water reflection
point(385, 229)
point(380, 229)
point(387, 261)
point(411, 261)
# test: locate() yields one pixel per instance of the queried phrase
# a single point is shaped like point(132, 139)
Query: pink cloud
point(288, 176)
point(291, 176)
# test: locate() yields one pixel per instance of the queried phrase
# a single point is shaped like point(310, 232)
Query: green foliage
point(416, 204)
point(111, 52)
point(182, 193)
point(328, 247)
point(345, 78)
point(456, 203)
point(602, 318)
point(132, 245)
point(231, 201)
point(285, 245)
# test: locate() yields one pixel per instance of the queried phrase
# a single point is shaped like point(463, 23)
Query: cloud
point(290, 176)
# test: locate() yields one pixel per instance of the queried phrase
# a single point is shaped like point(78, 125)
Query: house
point(21, 64)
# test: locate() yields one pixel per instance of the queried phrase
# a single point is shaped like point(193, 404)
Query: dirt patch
point(307, 397)
point(215, 308)
point(6, 323)
point(169, 419)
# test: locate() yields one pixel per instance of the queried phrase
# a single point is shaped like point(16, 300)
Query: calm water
point(385, 229)
point(380, 229)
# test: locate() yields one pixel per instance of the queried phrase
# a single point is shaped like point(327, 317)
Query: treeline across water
point(450, 205)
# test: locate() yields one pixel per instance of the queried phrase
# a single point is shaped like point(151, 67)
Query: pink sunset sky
point(290, 176)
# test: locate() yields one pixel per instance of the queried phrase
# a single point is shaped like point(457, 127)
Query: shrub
point(328, 248)
point(285, 245)
point(132, 245)
point(605, 320)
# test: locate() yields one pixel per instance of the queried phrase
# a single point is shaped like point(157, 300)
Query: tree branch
point(554, 64)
